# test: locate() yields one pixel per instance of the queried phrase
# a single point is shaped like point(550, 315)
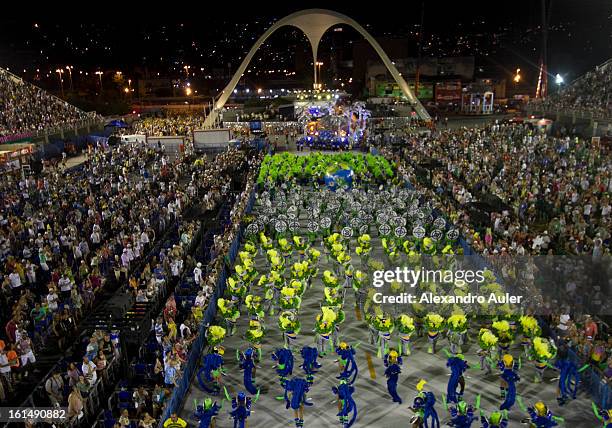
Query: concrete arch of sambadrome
point(314, 23)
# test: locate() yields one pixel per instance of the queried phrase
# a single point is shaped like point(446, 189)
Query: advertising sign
point(448, 92)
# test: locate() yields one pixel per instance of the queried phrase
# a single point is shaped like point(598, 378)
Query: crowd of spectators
point(26, 108)
point(173, 331)
point(515, 194)
point(591, 93)
point(183, 124)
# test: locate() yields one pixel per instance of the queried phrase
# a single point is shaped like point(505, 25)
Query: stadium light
point(559, 79)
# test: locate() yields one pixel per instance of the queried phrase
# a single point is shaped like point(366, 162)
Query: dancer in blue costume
point(298, 388)
point(241, 409)
point(540, 416)
point(247, 363)
point(424, 408)
point(569, 378)
point(212, 370)
point(346, 403)
point(284, 364)
point(348, 365)
point(310, 365)
point(205, 413)
point(393, 363)
point(458, 366)
point(462, 415)
point(509, 377)
point(496, 420)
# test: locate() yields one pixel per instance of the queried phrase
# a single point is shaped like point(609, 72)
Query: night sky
point(161, 38)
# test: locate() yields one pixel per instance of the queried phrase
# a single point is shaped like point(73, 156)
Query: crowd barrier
point(197, 348)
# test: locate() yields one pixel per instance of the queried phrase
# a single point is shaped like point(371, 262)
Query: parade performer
point(229, 313)
point(424, 408)
point(255, 335)
point(540, 416)
point(504, 335)
point(241, 408)
point(277, 263)
point(289, 300)
point(488, 343)
point(542, 352)
point(254, 306)
point(324, 327)
point(569, 378)
point(405, 327)
point(457, 329)
point(310, 365)
point(381, 327)
point(390, 247)
point(509, 377)
point(458, 366)
point(286, 249)
point(495, 420)
point(462, 415)
point(236, 288)
point(298, 388)
point(605, 416)
point(360, 287)
point(284, 364)
point(205, 413)
point(265, 242)
point(275, 283)
point(347, 409)
point(434, 324)
point(529, 330)
point(212, 369)
point(289, 324)
point(349, 273)
point(348, 365)
point(301, 245)
point(393, 362)
point(247, 363)
point(364, 248)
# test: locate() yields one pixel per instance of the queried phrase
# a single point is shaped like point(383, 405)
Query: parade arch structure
point(314, 23)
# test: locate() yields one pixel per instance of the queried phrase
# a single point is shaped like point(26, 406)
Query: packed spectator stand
point(69, 237)
point(516, 193)
point(28, 110)
point(590, 94)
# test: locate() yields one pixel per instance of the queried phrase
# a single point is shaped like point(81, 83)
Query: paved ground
point(375, 406)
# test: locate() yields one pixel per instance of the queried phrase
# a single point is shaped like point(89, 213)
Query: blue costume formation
point(247, 363)
point(541, 417)
point(568, 375)
point(310, 365)
point(393, 363)
point(284, 364)
point(462, 415)
point(212, 365)
point(496, 420)
point(298, 388)
point(347, 362)
point(458, 366)
point(509, 378)
point(347, 405)
point(241, 409)
point(424, 407)
point(206, 412)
